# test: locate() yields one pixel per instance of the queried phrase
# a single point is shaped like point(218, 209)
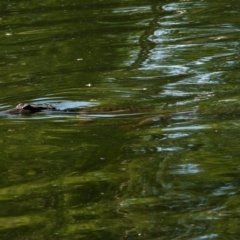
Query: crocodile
point(159, 115)
point(28, 109)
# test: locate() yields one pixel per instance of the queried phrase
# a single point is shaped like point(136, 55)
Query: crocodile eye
point(26, 106)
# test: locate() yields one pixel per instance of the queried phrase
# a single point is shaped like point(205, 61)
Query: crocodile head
point(24, 108)
point(27, 108)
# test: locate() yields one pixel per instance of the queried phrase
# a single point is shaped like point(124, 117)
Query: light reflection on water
point(186, 169)
point(182, 128)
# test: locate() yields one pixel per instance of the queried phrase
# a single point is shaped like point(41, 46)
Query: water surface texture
point(171, 173)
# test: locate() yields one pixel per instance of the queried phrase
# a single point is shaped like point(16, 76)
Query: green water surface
point(65, 176)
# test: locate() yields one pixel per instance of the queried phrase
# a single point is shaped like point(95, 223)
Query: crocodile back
point(111, 110)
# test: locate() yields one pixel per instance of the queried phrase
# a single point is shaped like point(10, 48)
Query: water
point(172, 176)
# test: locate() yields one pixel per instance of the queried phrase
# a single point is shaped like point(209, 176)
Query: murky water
point(172, 173)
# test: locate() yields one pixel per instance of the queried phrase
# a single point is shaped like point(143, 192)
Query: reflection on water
point(168, 174)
